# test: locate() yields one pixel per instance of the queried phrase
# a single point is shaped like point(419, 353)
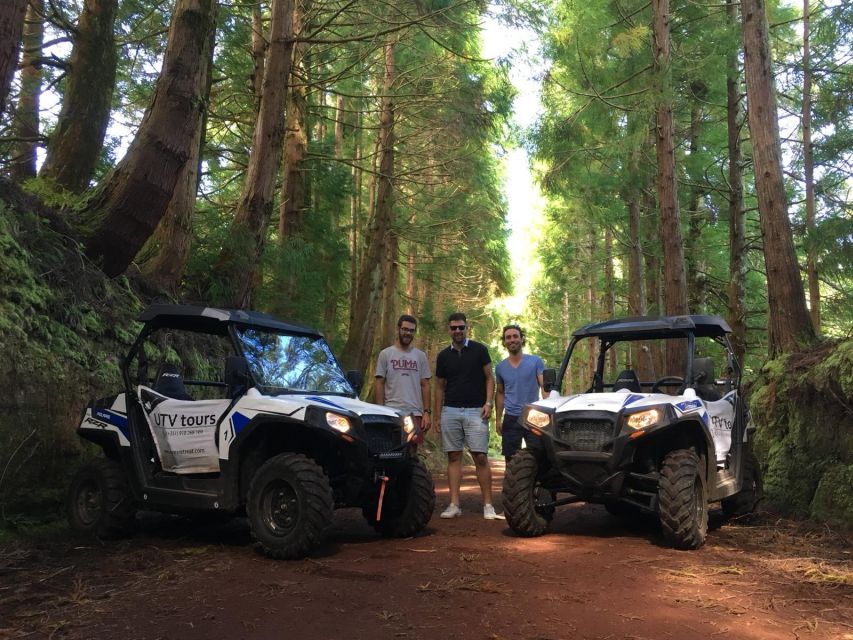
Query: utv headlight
point(644, 419)
point(538, 419)
point(408, 424)
point(338, 422)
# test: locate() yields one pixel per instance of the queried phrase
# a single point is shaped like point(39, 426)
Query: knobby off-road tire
point(99, 501)
point(751, 494)
point(682, 500)
point(521, 489)
point(408, 512)
point(290, 506)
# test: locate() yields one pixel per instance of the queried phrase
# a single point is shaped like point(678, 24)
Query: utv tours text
point(628, 444)
point(268, 427)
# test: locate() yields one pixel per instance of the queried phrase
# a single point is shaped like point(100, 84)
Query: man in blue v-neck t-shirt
point(519, 382)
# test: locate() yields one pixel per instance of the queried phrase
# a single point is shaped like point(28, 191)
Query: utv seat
point(627, 380)
point(170, 382)
point(704, 380)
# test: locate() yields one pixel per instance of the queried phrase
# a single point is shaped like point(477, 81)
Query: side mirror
point(356, 380)
point(549, 380)
point(237, 376)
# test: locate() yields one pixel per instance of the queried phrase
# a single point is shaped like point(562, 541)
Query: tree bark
point(675, 284)
point(790, 327)
point(390, 308)
point(356, 352)
point(135, 197)
point(737, 217)
point(259, 48)
point(697, 283)
point(173, 237)
point(238, 261)
point(12, 14)
point(76, 143)
point(294, 190)
point(808, 171)
point(23, 164)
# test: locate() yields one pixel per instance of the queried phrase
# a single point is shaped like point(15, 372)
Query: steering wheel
point(667, 381)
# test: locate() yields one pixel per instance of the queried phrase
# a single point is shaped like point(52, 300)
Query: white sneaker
point(489, 513)
point(452, 511)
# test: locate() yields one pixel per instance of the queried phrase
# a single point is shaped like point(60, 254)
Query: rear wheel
point(407, 508)
point(99, 501)
point(752, 490)
point(290, 506)
point(524, 496)
point(682, 500)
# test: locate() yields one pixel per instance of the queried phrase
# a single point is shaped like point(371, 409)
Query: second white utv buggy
point(668, 444)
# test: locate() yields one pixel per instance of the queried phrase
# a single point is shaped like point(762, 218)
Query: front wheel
point(524, 497)
point(99, 501)
point(407, 508)
point(682, 503)
point(290, 506)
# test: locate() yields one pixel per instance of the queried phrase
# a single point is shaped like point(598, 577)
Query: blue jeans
point(512, 433)
point(462, 426)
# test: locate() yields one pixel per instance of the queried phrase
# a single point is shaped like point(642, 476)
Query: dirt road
point(591, 577)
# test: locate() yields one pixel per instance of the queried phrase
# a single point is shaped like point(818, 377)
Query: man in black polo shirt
point(464, 391)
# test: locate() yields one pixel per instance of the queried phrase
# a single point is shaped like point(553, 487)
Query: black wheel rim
point(280, 507)
point(89, 503)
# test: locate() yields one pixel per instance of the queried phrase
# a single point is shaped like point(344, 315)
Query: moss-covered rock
point(63, 329)
point(801, 405)
point(833, 500)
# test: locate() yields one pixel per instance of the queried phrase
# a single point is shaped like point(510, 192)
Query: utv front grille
point(382, 435)
point(586, 435)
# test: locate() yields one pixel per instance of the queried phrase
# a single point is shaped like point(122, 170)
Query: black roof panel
point(656, 327)
point(212, 320)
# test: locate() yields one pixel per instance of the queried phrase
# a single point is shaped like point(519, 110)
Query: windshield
point(647, 362)
point(283, 363)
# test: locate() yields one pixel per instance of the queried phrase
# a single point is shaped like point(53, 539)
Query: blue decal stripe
point(632, 398)
point(239, 421)
point(326, 401)
point(117, 419)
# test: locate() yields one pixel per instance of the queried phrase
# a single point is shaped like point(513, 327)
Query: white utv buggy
point(640, 439)
point(227, 413)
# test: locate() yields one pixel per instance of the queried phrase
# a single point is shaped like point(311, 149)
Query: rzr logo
point(170, 375)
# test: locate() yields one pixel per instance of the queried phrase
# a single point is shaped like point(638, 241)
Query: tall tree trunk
point(370, 284)
point(12, 14)
point(790, 326)
point(259, 49)
point(239, 259)
point(173, 238)
point(355, 219)
point(390, 308)
point(135, 197)
point(695, 261)
point(23, 165)
point(808, 170)
point(339, 128)
point(291, 221)
point(76, 142)
point(609, 295)
point(411, 281)
point(675, 284)
point(737, 216)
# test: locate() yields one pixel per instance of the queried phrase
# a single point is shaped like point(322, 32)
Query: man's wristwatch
point(427, 410)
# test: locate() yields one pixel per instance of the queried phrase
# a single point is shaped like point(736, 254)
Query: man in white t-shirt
point(402, 377)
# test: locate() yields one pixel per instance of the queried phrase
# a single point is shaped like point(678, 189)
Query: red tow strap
point(381, 497)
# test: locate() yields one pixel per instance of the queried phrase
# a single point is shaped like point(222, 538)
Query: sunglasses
point(457, 327)
point(407, 330)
